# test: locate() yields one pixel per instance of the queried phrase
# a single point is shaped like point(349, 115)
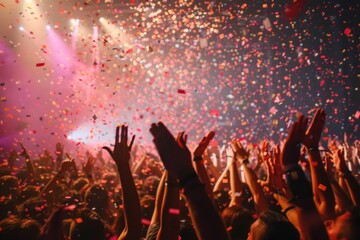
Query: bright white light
point(75, 21)
point(101, 19)
point(21, 28)
point(48, 27)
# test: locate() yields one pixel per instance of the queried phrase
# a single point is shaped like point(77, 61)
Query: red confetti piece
point(145, 221)
point(357, 114)
point(214, 112)
point(129, 51)
point(40, 64)
point(174, 211)
point(322, 187)
point(347, 31)
point(181, 91)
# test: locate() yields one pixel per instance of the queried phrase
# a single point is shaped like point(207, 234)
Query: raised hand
point(200, 149)
point(173, 153)
point(24, 152)
point(88, 167)
point(313, 134)
point(274, 179)
point(240, 153)
point(339, 161)
point(121, 152)
point(291, 149)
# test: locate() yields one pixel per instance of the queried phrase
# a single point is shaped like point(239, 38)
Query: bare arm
point(342, 200)
point(132, 212)
point(251, 179)
point(235, 182)
point(170, 218)
point(177, 160)
point(310, 222)
point(344, 174)
point(158, 200)
point(199, 164)
point(323, 194)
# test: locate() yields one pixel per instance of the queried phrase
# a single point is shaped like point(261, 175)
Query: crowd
point(295, 189)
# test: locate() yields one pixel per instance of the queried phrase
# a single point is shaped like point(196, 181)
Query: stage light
point(48, 27)
point(75, 21)
point(101, 19)
point(21, 28)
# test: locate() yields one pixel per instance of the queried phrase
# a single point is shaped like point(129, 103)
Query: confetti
point(181, 91)
point(322, 187)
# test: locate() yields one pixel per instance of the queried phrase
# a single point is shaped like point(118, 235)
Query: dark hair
point(9, 186)
point(273, 225)
point(28, 192)
point(79, 183)
point(96, 198)
point(36, 209)
point(150, 185)
point(87, 226)
point(222, 199)
point(238, 221)
point(14, 228)
point(8, 208)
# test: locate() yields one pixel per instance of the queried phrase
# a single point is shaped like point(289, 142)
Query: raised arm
point(199, 163)
point(309, 220)
point(235, 182)
point(170, 210)
point(66, 166)
point(343, 201)
point(158, 200)
point(121, 156)
point(251, 179)
point(345, 175)
point(29, 164)
point(323, 194)
point(177, 160)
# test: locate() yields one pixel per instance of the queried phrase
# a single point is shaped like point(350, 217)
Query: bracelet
point(198, 158)
point(287, 209)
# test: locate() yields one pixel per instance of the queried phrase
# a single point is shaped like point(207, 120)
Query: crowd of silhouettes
point(299, 188)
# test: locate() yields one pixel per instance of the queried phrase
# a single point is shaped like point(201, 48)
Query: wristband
point(287, 209)
point(198, 158)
